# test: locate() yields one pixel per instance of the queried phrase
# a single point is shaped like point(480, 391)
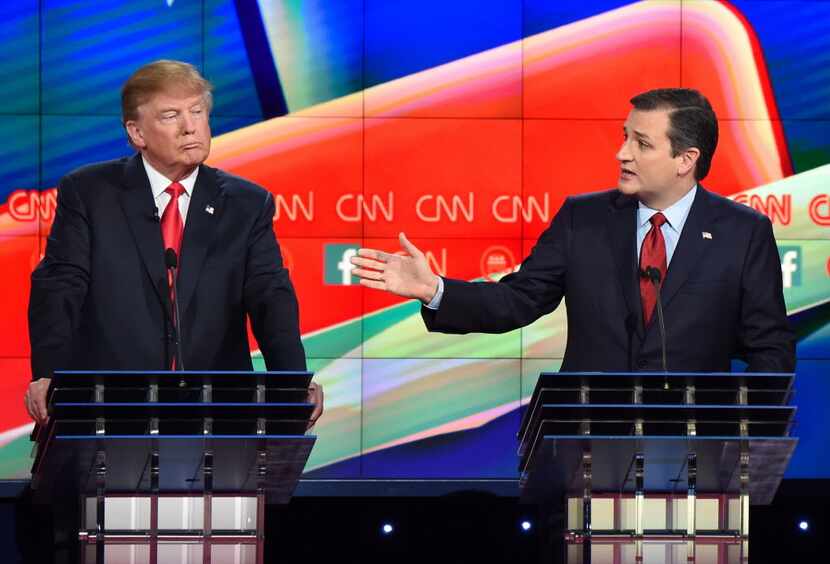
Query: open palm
point(406, 275)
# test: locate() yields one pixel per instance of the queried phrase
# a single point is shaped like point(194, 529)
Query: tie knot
point(658, 219)
point(175, 190)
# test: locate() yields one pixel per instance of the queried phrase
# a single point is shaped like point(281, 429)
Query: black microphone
point(172, 263)
point(654, 276)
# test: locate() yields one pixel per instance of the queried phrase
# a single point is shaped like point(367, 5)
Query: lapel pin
point(210, 210)
point(707, 235)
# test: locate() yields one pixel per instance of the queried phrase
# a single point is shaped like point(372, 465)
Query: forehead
point(653, 123)
point(174, 98)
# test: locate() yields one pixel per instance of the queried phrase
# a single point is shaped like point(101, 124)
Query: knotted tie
point(652, 254)
point(171, 219)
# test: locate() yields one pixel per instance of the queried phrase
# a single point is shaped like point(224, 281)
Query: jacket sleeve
point(765, 338)
point(59, 285)
point(516, 300)
point(269, 297)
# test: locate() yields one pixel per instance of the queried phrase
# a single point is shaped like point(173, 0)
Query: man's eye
point(168, 116)
point(643, 145)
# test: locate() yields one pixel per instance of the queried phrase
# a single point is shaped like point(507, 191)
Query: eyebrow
point(636, 133)
point(642, 135)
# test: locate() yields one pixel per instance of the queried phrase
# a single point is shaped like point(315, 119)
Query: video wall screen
point(464, 124)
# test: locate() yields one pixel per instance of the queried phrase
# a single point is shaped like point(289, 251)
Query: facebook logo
point(337, 269)
point(790, 265)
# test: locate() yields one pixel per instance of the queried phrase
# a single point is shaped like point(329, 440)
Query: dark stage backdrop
point(463, 123)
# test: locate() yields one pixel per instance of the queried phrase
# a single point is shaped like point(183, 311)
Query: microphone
point(654, 276)
point(172, 263)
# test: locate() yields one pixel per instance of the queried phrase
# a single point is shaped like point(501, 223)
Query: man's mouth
point(625, 173)
point(191, 146)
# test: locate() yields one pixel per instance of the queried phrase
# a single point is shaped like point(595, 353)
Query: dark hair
point(692, 122)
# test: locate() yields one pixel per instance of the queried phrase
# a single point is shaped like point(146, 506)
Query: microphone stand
point(172, 261)
point(654, 277)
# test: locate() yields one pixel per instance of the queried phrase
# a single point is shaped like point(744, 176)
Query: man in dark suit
point(716, 262)
point(100, 297)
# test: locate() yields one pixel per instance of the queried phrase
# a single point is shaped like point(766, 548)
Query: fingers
point(407, 246)
point(315, 396)
point(375, 285)
point(367, 274)
point(27, 401)
point(374, 254)
point(35, 400)
point(368, 263)
point(40, 408)
point(369, 270)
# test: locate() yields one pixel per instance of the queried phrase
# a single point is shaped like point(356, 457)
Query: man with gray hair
point(100, 298)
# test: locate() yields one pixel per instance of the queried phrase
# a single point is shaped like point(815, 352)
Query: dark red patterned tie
point(171, 232)
point(652, 254)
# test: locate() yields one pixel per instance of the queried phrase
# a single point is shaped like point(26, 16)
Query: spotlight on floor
point(526, 525)
point(387, 529)
point(804, 526)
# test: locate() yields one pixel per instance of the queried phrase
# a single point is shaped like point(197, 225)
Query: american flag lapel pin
point(707, 235)
point(210, 210)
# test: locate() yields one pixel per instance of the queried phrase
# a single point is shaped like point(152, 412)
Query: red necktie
point(171, 220)
point(171, 233)
point(652, 254)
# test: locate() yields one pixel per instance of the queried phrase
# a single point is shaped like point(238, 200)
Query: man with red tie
point(101, 296)
point(715, 262)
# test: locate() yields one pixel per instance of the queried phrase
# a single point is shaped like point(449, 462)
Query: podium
point(655, 466)
point(173, 462)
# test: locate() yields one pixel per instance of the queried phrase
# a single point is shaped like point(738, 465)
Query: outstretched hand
point(406, 275)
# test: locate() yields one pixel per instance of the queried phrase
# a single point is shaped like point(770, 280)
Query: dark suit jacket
point(99, 297)
point(722, 296)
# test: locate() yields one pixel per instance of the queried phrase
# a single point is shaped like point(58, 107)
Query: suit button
point(642, 363)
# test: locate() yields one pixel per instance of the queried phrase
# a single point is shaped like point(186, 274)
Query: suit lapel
point(199, 230)
point(690, 246)
point(140, 210)
point(621, 232)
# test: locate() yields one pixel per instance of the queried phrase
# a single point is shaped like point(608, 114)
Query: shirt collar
point(159, 183)
point(675, 214)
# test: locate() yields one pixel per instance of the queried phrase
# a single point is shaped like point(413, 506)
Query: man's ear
point(687, 161)
point(134, 133)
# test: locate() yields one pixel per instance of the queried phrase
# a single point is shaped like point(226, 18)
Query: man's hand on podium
point(315, 396)
point(35, 400)
point(407, 275)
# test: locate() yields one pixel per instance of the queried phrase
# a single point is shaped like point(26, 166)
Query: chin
point(628, 189)
point(196, 159)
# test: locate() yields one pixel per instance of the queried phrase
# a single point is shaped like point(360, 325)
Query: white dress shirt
point(675, 214)
point(159, 183)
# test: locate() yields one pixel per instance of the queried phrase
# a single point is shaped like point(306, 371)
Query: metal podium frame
point(671, 434)
point(190, 434)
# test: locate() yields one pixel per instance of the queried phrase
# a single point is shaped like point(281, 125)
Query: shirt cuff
point(435, 302)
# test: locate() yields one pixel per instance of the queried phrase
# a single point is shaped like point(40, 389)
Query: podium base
point(173, 528)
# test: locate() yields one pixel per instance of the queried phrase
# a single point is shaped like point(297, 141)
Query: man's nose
point(624, 155)
point(188, 123)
